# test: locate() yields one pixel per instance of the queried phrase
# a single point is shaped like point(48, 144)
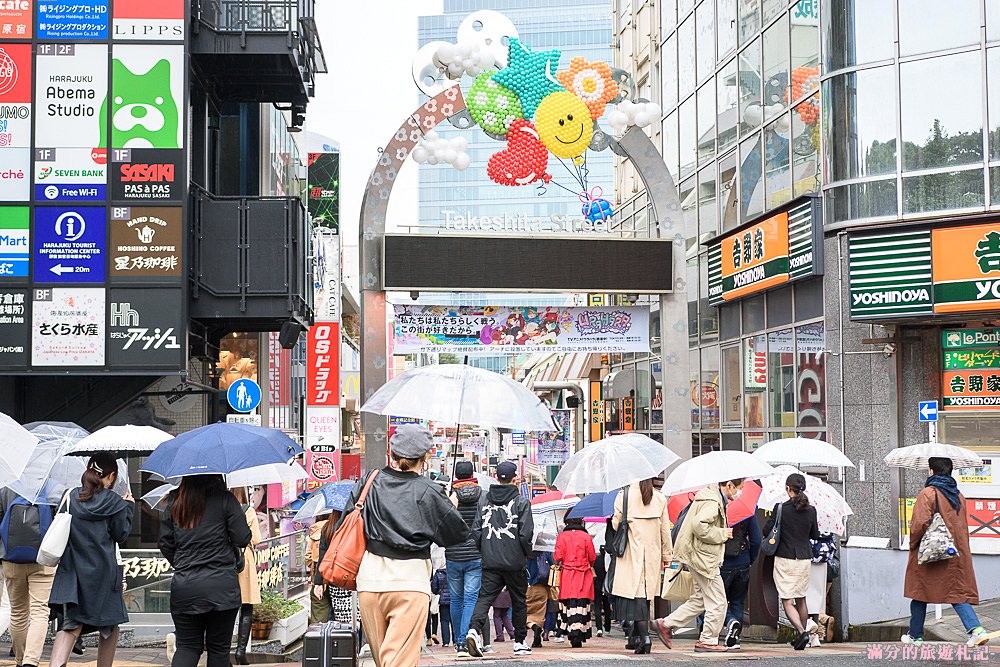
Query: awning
point(565, 366)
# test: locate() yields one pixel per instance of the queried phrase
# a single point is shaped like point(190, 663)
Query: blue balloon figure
point(595, 208)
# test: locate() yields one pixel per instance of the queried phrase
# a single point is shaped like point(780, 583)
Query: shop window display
point(775, 67)
point(777, 181)
point(751, 181)
point(751, 111)
point(754, 381)
point(810, 378)
point(781, 377)
point(732, 394)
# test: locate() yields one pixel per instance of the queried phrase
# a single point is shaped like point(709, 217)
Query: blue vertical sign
point(69, 244)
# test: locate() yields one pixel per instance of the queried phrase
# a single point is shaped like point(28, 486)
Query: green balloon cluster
point(492, 106)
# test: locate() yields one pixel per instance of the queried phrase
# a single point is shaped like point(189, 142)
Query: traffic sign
point(247, 420)
point(244, 395)
point(928, 411)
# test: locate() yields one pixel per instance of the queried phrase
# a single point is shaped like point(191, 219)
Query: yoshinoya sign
point(498, 328)
point(925, 272)
point(146, 242)
point(769, 252)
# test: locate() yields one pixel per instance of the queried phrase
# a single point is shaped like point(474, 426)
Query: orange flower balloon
point(591, 82)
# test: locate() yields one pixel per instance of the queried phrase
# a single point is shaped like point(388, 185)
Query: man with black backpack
point(740, 552)
point(22, 526)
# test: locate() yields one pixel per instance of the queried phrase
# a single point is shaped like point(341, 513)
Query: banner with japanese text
point(467, 329)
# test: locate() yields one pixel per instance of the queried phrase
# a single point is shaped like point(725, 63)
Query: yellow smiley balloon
point(564, 125)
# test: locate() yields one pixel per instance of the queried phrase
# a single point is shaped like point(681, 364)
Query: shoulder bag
point(937, 542)
point(620, 540)
point(555, 578)
point(347, 546)
point(770, 545)
point(56, 538)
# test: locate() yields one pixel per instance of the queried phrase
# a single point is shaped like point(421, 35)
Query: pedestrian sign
point(927, 411)
point(244, 395)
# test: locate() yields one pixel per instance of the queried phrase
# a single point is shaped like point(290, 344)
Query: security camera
point(889, 350)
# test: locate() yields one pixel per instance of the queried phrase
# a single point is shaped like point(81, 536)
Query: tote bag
point(347, 546)
point(677, 583)
point(57, 536)
point(937, 543)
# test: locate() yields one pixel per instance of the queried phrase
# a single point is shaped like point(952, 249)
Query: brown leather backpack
point(342, 561)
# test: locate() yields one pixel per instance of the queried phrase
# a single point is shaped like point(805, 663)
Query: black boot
point(243, 636)
point(537, 641)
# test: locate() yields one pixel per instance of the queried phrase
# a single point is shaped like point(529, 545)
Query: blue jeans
point(918, 613)
point(737, 581)
point(464, 580)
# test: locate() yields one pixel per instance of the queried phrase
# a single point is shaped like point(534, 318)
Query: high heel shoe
point(632, 643)
point(646, 646)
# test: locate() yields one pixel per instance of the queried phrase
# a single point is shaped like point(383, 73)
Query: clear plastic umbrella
point(831, 508)
point(18, 444)
point(613, 463)
point(802, 452)
point(462, 395)
point(713, 468)
point(916, 456)
point(331, 497)
point(272, 473)
point(49, 473)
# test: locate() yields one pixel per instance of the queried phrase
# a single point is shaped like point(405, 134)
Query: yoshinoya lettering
point(891, 296)
point(750, 276)
point(801, 260)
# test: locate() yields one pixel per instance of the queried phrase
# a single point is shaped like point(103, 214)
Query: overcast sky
point(369, 48)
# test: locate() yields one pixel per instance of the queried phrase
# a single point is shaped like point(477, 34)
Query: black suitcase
point(329, 645)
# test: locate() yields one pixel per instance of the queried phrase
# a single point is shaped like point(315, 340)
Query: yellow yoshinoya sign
point(770, 252)
point(966, 263)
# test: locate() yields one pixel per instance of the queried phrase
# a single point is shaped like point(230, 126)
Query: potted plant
point(265, 613)
point(292, 621)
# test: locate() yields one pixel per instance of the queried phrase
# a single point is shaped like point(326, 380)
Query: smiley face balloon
point(564, 125)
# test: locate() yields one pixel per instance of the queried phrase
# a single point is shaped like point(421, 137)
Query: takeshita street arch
point(449, 104)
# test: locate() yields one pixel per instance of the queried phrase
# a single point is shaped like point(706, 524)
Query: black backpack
point(740, 540)
point(676, 530)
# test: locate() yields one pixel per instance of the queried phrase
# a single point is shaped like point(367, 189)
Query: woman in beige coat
point(637, 571)
point(249, 584)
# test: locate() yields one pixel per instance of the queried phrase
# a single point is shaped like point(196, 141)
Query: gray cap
point(411, 441)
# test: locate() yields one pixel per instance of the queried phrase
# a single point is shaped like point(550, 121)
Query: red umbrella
point(736, 511)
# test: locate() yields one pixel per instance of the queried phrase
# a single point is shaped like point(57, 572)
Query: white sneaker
point(489, 649)
point(600, 633)
point(474, 643)
point(907, 639)
point(811, 626)
point(171, 646)
point(813, 641)
point(559, 639)
point(521, 648)
point(977, 637)
point(365, 652)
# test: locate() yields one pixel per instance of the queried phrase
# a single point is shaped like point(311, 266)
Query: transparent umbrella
point(712, 468)
point(613, 463)
point(802, 452)
point(15, 453)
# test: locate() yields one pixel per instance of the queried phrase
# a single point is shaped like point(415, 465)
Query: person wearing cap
point(503, 530)
point(404, 514)
point(464, 564)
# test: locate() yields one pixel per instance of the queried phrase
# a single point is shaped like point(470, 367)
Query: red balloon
point(524, 160)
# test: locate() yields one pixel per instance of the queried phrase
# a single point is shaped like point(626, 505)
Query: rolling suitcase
point(329, 645)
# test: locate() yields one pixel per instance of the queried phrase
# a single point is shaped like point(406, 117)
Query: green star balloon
point(530, 75)
point(491, 105)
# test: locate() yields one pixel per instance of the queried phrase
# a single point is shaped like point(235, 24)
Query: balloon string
point(571, 173)
point(585, 173)
point(560, 185)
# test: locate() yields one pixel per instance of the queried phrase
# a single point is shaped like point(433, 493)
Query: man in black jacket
point(503, 531)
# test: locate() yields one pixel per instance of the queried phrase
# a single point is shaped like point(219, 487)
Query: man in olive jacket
point(701, 545)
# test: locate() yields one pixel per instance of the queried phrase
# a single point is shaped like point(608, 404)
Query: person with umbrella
point(88, 582)
point(951, 580)
point(740, 552)
point(793, 556)
point(404, 514)
point(641, 510)
point(202, 535)
point(701, 546)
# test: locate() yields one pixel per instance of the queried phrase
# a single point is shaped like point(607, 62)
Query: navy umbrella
point(594, 505)
point(219, 449)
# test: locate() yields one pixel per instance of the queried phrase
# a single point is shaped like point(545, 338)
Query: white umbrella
point(613, 463)
point(484, 480)
point(713, 468)
point(120, 440)
point(49, 473)
point(18, 444)
point(916, 456)
point(158, 495)
point(459, 394)
point(802, 452)
point(272, 473)
point(831, 508)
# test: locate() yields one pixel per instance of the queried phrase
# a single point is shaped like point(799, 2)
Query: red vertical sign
point(323, 373)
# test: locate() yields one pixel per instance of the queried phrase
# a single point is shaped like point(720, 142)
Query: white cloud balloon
point(435, 149)
point(634, 113)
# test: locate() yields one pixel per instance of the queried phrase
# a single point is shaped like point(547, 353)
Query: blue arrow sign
point(928, 411)
point(243, 395)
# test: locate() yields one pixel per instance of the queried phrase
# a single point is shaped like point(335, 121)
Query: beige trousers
point(538, 601)
point(709, 597)
point(394, 625)
point(28, 586)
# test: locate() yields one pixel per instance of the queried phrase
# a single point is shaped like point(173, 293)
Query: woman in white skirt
point(792, 560)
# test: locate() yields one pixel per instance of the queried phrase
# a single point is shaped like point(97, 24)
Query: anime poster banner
point(555, 447)
point(495, 328)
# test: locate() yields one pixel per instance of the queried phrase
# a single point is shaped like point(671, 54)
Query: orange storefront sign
point(966, 264)
point(755, 258)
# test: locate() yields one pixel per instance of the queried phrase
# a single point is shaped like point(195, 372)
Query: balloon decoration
point(564, 124)
point(591, 82)
point(524, 160)
point(492, 106)
point(520, 96)
point(595, 208)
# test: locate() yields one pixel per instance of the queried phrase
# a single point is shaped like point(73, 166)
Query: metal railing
point(245, 16)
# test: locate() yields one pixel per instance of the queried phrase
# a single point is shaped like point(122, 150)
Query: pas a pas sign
point(490, 328)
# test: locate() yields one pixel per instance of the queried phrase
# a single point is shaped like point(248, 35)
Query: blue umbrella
point(594, 504)
point(331, 497)
point(219, 449)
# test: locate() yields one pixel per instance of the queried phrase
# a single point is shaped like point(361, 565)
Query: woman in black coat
point(202, 531)
point(87, 588)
